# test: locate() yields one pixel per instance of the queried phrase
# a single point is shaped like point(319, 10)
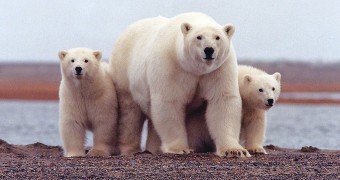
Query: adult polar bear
point(161, 66)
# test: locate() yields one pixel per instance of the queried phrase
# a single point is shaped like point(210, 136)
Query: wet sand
point(39, 161)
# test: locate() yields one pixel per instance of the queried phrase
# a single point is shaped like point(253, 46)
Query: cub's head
point(261, 91)
point(206, 46)
point(79, 62)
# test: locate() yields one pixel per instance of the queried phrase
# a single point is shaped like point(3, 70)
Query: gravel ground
point(39, 161)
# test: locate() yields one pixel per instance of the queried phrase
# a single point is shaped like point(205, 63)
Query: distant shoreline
point(30, 81)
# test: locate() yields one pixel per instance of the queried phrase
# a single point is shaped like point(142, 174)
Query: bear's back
point(244, 70)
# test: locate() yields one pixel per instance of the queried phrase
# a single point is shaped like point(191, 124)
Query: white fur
point(255, 106)
point(159, 67)
point(87, 102)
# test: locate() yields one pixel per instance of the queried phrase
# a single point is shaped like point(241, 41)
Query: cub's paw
point(97, 153)
point(257, 150)
point(233, 152)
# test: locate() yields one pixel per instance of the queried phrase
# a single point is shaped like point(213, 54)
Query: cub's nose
point(209, 51)
point(270, 102)
point(78, 69)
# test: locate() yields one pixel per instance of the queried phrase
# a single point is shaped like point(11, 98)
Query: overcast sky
point(35, 30)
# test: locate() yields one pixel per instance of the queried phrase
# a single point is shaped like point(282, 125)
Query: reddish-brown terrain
point(41, 81)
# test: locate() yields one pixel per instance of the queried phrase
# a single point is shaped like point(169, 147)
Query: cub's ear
point(277, 76)
point(247, 78)
point(62, 54)
point(229, 29)
point(97, 54)
point(185, 27)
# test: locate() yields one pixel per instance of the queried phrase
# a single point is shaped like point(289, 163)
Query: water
point(291, 126)
point(311, 95)
point(294, 126)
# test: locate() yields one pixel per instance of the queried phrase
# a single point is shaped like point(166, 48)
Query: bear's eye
point(199, 37)
point(261, 90)
point(218, 38)
point(273, 89)
point(86, 61)
point(72, 60)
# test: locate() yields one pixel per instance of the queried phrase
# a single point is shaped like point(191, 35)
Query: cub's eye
point(72, 60)
point(261, 90)
point(199, 37)
point(218, 38)
point(273, 89)
point(86, 61)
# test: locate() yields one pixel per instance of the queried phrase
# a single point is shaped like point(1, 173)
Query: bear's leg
point(224, 122)
point(104, 135)
point(168, 120)
point(254, 134)
point(199, 138)
point(130, 125)
point(73, 137)
point(153, 143)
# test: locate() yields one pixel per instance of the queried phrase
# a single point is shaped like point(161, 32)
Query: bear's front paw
point(233, 152)
point(256, 150)
point(176, 150)
point(97, 153)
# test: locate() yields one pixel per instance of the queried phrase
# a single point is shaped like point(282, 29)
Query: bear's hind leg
point(130, 125)
point(153, 143)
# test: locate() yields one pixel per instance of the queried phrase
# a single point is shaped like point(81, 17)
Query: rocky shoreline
point(40, 161)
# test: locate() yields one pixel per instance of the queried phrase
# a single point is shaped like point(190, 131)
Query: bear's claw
point(258, 150)
point(177, 151)
point(234, 153)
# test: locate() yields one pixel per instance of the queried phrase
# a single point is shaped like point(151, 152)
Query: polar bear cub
point(259, 92)
point(87, 102)
point(161, 65)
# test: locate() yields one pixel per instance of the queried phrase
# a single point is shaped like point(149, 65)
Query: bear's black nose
point(79, 69)
point(209, 51)
point(270, 102)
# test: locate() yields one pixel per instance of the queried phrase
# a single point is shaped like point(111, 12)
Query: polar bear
point(259, 92)
point(87, 102)
point(161, 65)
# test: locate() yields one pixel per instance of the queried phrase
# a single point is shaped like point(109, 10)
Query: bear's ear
point(97, 54)
point(62, 54)
point(277, 76)
point(229, 29)
point(247, 78)
point(185, 27)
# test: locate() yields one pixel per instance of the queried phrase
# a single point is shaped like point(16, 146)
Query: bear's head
point(261, 91)
point(79, 63)
point(206, 46)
